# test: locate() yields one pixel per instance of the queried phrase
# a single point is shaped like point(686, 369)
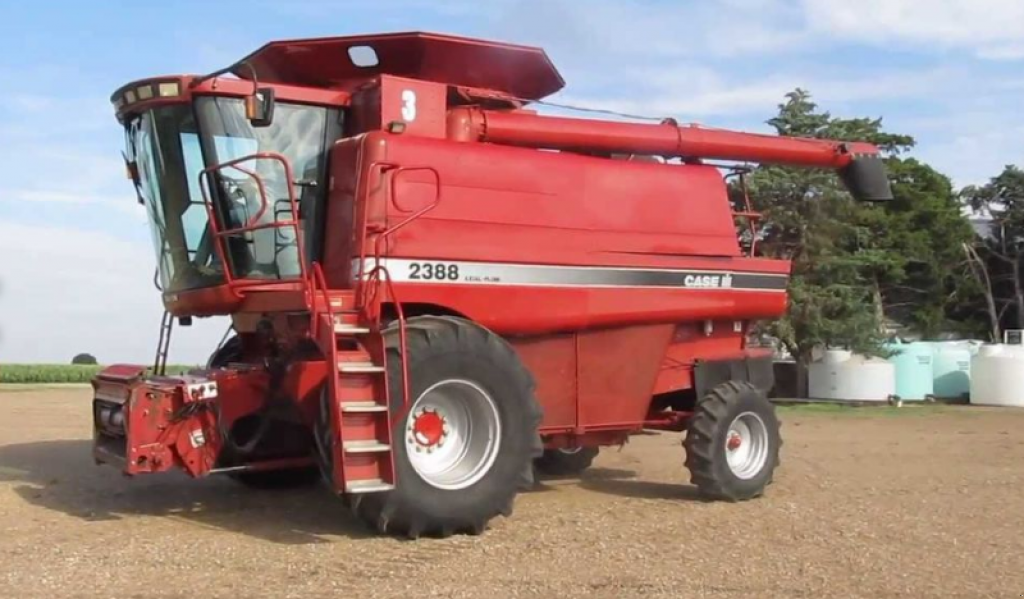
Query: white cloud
point(65, 291)
point(703, 92)
point(126, 204)
point(991, 29)
point(974, 147)
point(50, 158)
point(592, 33)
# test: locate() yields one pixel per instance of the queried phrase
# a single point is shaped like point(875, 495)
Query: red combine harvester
point(434, 290)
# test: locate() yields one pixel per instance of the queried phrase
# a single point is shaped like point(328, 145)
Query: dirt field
point(880, 503)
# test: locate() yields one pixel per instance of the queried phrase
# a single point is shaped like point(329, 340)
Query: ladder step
point(344, 328)
point(373, 485)
point(362, 406)
point(365, 447)
point(359, 367)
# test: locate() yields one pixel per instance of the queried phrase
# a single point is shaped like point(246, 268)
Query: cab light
point(129, 97)
point(145, 92)
point(168, 89)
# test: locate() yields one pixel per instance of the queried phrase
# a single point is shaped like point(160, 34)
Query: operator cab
point(175, 148)
point(238, 145)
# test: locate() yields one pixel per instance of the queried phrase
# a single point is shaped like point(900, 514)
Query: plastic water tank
point(842, 375)
point(951, 368)
point(914, 378)
point(997, 375)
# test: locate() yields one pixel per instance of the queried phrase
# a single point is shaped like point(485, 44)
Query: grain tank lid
point(521, 71)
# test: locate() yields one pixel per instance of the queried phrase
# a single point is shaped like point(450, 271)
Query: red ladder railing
point(253, 224)
point(373, 279)
point(753, 217)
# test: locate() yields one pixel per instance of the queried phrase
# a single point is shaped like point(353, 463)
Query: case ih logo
point(705, 281)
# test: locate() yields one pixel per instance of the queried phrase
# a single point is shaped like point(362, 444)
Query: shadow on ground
point(622, 483)
point(61, 476)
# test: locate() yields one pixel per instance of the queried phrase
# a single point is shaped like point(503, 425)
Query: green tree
point(926, 279)
point(1002, 254)
point(84, 359)
point(858, 267)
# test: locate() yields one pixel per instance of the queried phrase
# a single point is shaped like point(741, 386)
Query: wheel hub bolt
point(734, 442)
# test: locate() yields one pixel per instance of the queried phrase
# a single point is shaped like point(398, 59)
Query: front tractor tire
point(566, 462)
point(286, 478)
point(732, 443)
point(465, 447)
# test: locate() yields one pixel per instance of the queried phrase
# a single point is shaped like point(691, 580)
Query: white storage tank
point(842, 375)
point(997, 375)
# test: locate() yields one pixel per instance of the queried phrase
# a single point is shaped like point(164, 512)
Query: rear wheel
point(732, 442)
point(566, 462)
point(465, 447)
point(230, 351)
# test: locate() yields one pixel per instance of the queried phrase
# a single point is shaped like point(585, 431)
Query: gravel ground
point(918, 502)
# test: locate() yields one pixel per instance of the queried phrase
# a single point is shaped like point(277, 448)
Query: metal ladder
point(163, 345)
point(361, 452)
point(347, 327)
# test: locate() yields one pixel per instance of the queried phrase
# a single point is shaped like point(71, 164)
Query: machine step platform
point(360, 419)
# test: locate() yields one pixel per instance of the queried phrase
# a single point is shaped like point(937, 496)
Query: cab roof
point(523, 72)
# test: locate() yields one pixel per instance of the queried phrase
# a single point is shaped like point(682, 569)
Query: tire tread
point(704, 462)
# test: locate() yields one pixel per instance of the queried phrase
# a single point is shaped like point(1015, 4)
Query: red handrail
point(378, 250)
point(749, 213)
point(219, 235)
point(373, 278)
point(318, 281)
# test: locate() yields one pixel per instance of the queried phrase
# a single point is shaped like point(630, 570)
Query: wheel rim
point(570, 450)
point(453, 434)
point(746, 445)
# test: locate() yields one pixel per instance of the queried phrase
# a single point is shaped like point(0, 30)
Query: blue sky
point(75, 256)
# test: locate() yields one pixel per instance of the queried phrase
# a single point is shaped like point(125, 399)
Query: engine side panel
point(646, 243)
point(551, 359)
point(617, 370)
point(557, 208)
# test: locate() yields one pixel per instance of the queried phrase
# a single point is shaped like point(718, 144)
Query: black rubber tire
point(290, 478)
point(231, 351)
point(706, 438)
point(559, 463)
point(443, 347)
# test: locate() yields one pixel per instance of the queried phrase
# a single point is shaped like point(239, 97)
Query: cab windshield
point(171, 145)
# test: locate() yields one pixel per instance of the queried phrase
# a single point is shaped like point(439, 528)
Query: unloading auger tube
point(858, 164)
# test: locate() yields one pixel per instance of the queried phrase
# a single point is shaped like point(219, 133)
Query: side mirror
point(259, 107)
point(131, 169)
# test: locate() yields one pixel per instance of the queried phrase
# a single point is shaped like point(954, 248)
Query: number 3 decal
point(408, 105)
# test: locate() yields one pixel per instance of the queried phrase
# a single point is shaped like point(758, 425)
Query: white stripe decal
point(502, 273)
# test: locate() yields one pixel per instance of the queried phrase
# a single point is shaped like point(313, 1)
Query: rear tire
point(732, 443)
point(231, 351)
point(563, 462)
point(485, 376)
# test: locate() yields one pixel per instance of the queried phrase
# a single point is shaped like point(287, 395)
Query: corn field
point(60, 373)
